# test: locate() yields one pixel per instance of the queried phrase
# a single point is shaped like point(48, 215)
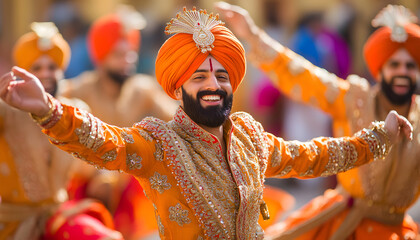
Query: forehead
point(211, 63)
point(401, 55)
point(43, 60)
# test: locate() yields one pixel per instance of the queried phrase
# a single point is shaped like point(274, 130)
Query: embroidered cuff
point(377, 138)
point(52, 116)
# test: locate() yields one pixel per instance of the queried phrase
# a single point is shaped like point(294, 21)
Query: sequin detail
point(179, 215)
point(90, 133)
point(109, 156)
point(128, 138)
point(133, 161)
point(342, 156)
point(159, 182)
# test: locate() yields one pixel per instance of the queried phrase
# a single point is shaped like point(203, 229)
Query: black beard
point(212, 116)
point(118, 78)
point(394, 98)
point(53, 91)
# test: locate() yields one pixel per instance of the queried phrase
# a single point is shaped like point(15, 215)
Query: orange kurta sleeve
point(322, 156)
point(105, 146)
point(299, 79)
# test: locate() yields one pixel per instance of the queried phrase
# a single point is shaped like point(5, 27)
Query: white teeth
point(211, 98)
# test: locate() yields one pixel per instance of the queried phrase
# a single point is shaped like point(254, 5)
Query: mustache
point(403, 77)
point(219, 92)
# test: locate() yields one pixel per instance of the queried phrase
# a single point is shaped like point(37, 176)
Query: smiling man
point(375, 196)
point(205, 171)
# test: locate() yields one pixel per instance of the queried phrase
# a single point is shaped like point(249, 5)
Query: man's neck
point(109, 87)
point(218, 132)
point(387, 106)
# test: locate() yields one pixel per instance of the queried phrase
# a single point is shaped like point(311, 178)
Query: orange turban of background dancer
point(386, 40)
point(181, 55)
point(108, 30)
point(44, 40)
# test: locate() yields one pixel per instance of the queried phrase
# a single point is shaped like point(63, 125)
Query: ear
point(178, 93)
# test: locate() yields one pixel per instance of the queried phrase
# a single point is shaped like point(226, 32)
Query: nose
point(212, 83)
point(44, 73)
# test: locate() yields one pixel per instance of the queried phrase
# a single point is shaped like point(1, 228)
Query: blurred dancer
point(33, 174)
point(372, 200)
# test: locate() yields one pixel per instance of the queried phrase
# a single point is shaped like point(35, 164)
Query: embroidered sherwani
point(130, 208)
point(33, 177)
point(382, 190)
point(196, 191)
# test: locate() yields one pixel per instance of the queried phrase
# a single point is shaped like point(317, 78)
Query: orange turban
point(107, 31)
point(179, 57)
point(379, 47)
point(32, 45)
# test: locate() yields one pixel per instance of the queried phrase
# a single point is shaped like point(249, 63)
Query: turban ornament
point(395, 17)
point(197, 23)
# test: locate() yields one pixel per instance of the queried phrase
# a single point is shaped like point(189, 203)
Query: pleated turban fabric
point(44, 40)
point(180, 56)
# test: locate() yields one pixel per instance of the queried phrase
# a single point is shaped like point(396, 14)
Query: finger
point(4, 82)
point(222, 6)
point(22, 73)
point(405, 127)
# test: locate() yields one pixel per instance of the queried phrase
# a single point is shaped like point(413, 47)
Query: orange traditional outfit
point(371, 201)
point(131, 210)
point(197, 191)
point(33, 174)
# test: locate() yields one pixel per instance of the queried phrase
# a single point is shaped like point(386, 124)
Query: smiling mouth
point(211, 98)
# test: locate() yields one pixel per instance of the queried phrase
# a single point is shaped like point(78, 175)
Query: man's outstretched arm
point(76, 131)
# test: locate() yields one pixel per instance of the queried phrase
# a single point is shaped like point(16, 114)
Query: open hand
point(396, 125)
point(22, 90)
point(238, 19)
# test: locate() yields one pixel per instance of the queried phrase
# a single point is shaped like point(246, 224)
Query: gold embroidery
point(276, 157)
point(293, 148)
point(285, 171)
point(161, 228)
point(159, 182)
point(128, 138)
point(90, 133)
point(144, 134)
point(179, 215)
point(158, 152)
point(342, 156)
point(109, 156)
point(210, 189)
point(133, 161)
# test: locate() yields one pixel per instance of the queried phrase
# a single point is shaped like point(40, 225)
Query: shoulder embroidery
point(159, 182)
point(179, 215)
point(158, 152)
point(133, 161)
point(109, 156)
point(128, 138)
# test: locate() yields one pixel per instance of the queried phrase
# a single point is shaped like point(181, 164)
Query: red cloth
point(105, 33)
point(84, 219)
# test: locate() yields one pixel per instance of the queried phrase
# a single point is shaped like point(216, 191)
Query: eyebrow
point(203, 70)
